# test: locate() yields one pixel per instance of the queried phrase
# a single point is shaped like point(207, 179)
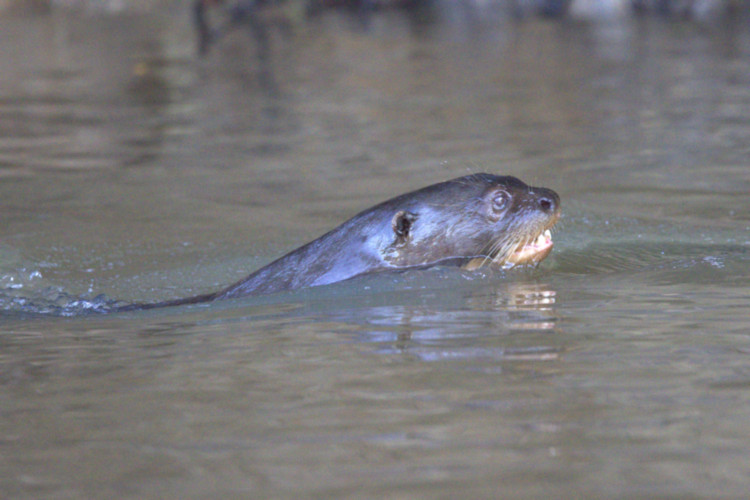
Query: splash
point(24, 292)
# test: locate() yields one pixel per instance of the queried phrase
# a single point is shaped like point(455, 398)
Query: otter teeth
point(546, 236)
point(543, 239)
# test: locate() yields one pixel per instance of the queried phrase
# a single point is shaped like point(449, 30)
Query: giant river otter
point(469, 221)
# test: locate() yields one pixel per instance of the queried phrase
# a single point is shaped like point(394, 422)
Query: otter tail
point(198, 299)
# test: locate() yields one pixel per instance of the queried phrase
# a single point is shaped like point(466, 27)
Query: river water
point(130, 167)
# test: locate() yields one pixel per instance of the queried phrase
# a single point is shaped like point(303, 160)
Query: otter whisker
point(455, 219)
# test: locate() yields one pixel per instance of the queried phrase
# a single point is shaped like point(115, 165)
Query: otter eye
point(500, 201)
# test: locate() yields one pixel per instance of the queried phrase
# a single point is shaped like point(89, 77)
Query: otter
point(471, 221)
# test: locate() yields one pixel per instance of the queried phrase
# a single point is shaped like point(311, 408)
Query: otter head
point(472, 220)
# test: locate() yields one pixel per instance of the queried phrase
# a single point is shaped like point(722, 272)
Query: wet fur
point(444, 223)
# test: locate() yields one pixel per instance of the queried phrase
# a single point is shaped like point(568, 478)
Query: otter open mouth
point(525, 254)
point(531, 253)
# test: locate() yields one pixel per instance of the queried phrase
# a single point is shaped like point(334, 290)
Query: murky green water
point(619, 368)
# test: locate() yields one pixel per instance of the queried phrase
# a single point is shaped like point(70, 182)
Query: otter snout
point(548, 201)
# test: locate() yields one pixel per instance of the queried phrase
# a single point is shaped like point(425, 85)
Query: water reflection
point(80, 107)
point(498, 321)
point(259, 21)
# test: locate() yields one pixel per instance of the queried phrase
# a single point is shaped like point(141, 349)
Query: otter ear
point(402, 223)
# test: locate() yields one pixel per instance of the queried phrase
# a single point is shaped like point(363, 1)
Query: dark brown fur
point(480, 216)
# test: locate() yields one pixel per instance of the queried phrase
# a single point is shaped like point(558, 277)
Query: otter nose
point(548, 200)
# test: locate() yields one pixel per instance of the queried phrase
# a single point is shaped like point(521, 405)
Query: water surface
point(131, 168)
